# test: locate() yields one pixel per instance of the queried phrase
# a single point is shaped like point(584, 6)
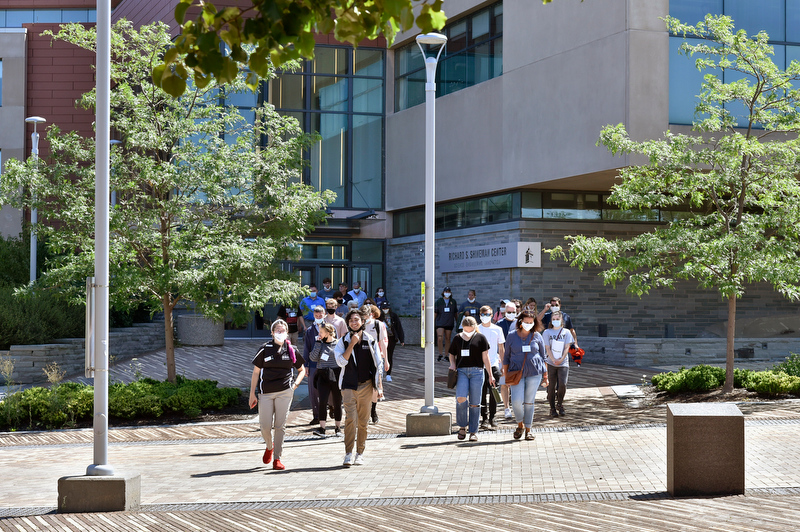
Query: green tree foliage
point(737, 173)
point(264, 33)
point(204, 213)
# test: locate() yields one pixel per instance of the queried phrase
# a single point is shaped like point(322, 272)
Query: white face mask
point(447, 294)
point(370, 321)
point(486, 319)
point(471, 299)
point(380, 293)
point(556, 323)
point(318, 320)
point(527, 326)
point(467, 335)
point(555, 309)
point(511, 315)
point(279, 337)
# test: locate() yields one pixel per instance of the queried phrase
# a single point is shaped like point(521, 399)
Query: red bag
point(576, 353)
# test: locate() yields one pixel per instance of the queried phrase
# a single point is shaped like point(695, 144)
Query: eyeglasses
point(486, 315)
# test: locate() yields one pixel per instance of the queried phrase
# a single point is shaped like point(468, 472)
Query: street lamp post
point(35, 120)
point(435, 43)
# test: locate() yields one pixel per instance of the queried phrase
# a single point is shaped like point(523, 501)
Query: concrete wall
point(13, 52)
point(685, 312)
point(569, 69)
point(69, 353)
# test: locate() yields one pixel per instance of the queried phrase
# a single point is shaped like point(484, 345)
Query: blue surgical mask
point(556, 323)
point(312, 295)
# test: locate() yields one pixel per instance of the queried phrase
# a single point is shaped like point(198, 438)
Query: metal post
point(35, 120)
point(100, 467)
point(432, 39)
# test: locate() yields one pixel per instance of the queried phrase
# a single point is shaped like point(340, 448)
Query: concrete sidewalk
point(605, 458)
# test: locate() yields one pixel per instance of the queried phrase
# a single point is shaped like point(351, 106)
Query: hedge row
point(69, 403)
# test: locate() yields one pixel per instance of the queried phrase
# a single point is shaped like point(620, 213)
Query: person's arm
point(451, 353)
point(501, 352)
point(488, 366)
point(549, 353)
point(398, 327)
point(253, 384)
point(301, 373)
point(355, 338)
point(574, 337)
point(543, 311)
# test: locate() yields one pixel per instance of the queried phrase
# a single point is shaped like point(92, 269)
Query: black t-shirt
point(476, 345)
point(276, 367)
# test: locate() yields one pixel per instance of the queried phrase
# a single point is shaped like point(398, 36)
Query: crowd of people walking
point(499, 355)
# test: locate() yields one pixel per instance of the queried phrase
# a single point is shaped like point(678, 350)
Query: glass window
point(325, 250)
point(753, 17)
point(457, 37)
point(531, 204)
point(685, 83)
point(572, 206)
point(367, 161)
point(328, 94)
point(367, 95)
point(15, 18)
point(247, 99)
point(793, 20)
point(47, 16)
point(329, 61)
point(287, 91)
point(480, 25)
point(693, 11)
point(368, 63)
point(1, 82)
point(409, 223)
point(3, 19)
point(409, 90)
point(367, 251)
point(328, 156)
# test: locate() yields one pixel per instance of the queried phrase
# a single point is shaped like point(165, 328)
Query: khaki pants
point(357, 408)
point(273, 409)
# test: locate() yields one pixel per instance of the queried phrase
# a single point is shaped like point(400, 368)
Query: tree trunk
point(169, 339)
point(728, 387)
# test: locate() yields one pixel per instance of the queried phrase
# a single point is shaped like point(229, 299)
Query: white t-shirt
point(495, 336)
point(561, 335)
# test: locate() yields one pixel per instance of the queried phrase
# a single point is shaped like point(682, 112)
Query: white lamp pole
point(35, 120)
point(101, 467)
point(435, 43)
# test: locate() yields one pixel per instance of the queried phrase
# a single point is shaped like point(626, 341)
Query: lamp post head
point(435, 40)
point(35, 120)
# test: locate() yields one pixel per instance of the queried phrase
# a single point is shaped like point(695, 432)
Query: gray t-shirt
point(562, 335)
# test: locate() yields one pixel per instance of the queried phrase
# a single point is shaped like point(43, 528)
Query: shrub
point(700, 378)
point(741, 377)
point(773, 383)
point(790, 366)
point(37, 318)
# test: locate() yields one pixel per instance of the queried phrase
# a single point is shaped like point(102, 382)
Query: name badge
point(268, 359)
point(292, 314)
point(324, 357)
point(472, 311)
point(465, 353)
point(447, 309)
point(526, 349)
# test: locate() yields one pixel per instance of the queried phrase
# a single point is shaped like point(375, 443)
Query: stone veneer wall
point(69, 353)
point(685, 312)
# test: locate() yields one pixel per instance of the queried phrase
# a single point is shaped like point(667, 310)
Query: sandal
point(529, 436)
point(518, 433)
point(462, 433)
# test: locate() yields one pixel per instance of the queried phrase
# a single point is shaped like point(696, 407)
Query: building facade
point(523, 90)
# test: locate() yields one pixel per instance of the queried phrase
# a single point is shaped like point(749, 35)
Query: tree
point(204, 213)
point(737, 173)
point(263, 34)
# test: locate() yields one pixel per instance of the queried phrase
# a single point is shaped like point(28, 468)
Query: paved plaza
point(601, 467)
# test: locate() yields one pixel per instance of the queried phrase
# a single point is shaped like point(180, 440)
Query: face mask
point(312, 295)
point(370, 321)
point(511, 315)
point(380, 293)
point(467, 335)
point(556, 323)
point(279, 337)
point(447, 294)
point(485, 319)
point(340, 301)
point(326, 286)
point(318, 321)
point(330, 310)
point(355, 330)
point(527, 326)
point(471, 299)
point(356, 290)
point(555, 309)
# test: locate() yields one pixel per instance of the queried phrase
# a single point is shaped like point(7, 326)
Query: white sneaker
point(388, 378)
point(348, 460)
point(359, 459)
point(509, 414)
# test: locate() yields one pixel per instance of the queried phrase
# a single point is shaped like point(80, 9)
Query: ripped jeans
point(469, 385)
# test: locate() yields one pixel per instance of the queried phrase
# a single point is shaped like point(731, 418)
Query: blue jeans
point(522, 398)
point(470, 385)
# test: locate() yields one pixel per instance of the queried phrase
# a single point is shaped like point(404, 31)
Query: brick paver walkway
point(601, 467)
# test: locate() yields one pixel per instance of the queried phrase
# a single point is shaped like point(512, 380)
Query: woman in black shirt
point(274, 382)
point(469, 353)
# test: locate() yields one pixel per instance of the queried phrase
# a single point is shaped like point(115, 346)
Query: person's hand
point(380, 394)
point(386, 365)
point(452, 367)
point(547, 307)
point(253, 401)
point(355, 338)
point(403, 343)
point(491, 380)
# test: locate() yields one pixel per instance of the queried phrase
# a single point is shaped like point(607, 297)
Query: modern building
point(523, 91)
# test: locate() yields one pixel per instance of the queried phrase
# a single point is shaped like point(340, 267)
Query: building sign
point(490, 257)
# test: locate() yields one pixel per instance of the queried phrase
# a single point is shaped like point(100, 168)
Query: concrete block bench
point(705, 449)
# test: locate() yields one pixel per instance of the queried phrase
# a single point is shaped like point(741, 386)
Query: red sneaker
point(267, 458)
point(278, 465)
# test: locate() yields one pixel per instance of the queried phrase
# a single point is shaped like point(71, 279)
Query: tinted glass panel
point(367, 161)
point(329, 61)
point(328, 93)
point(693, 11)
point(753, 17)
point(793, 20)
point(328, 156)
point(367, 95)
point(287, 91)
point(16, 18)
point(368, 63)
point(367, 251)
point(685, 83)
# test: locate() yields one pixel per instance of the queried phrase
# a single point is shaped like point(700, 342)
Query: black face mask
point(355, 330)
point(330, 310)
point(340, 301)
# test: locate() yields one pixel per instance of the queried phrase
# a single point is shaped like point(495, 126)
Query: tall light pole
point(35, 120)
point(435, 43)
